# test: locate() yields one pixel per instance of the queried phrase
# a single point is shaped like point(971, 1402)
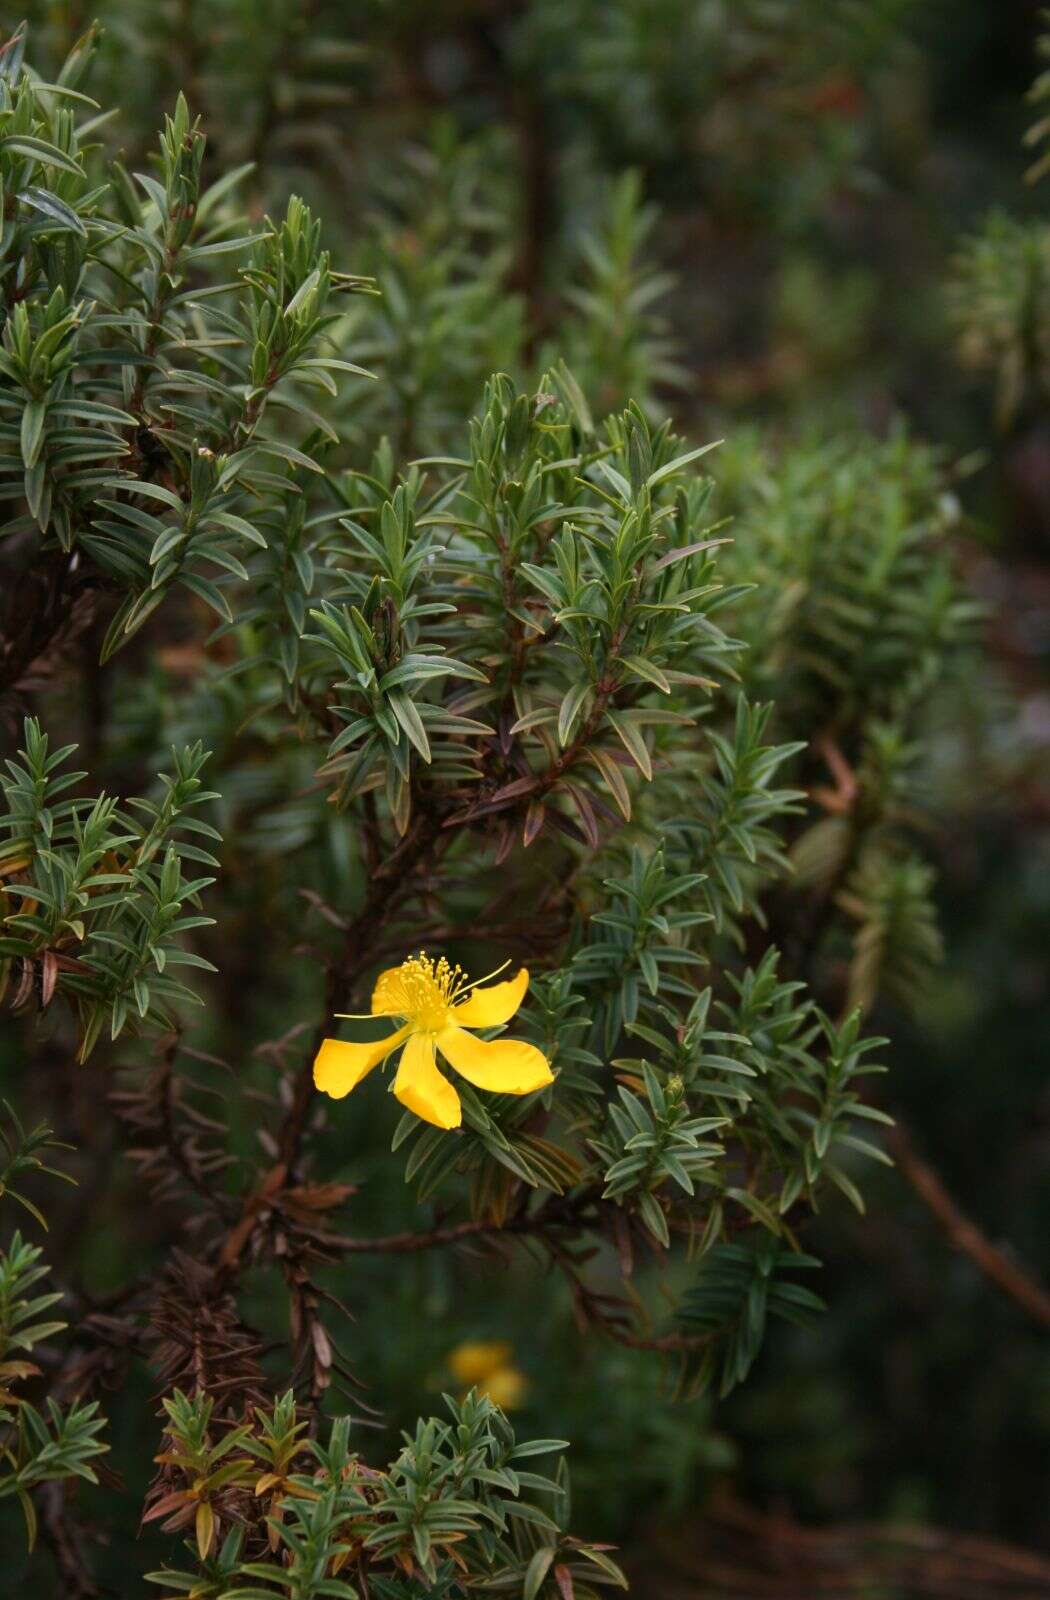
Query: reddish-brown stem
point(965, 1235)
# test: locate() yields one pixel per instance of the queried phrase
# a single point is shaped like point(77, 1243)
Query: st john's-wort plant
point(492, 747)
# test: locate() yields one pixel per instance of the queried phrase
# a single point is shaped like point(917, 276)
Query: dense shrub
point(379, 662)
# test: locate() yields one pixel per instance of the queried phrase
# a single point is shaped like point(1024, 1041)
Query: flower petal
point(339, 1066)
point(487, 1008)
point(476, 1359)
point(504, 1066)
point(388, 995)
point(422, 1088)
point(506, 1388)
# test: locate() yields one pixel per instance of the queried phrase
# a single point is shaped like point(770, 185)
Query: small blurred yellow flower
point(487, 1365)
point(505, 1388)
point(436, 1006)
point(475, 1359)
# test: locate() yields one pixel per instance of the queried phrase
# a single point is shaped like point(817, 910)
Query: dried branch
point(964, 1234)
point(64, 1536)
point(736, 1552)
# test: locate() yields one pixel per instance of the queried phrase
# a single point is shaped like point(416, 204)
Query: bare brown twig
point(964, 1234)
point(735, 1552)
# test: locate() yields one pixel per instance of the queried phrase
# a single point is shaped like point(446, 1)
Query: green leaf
point(24, 144)
point(407, 715)
point(571, 706)
point(29, 1513)
point(53, 207)
point(537, 1570)
point(647, 670)
point(671, 467)
point(34, 417)
point(633, 742)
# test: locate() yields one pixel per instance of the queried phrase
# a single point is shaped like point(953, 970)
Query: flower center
point(421, 991)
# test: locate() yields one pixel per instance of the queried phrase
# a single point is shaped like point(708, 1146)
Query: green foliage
point(655, 1143)
point(21, 1147)
point(456, 1494)
point(493, 660)
point(59, 1443)
point(1038, 96)
point(617, 344)
point(624, 970)
point(856, 609)
point(727, 832)
point(898, 942)
point(656, 82)
point(737, 1290)
point(445, 317)
point(104, 313)
point(869, 618)
point(999, 297)
point(36, 1448)
point(99, 892)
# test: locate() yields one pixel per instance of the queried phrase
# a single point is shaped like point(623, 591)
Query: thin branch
point(410, 1243)
point(965, 1235)
point(738, 1551)
point(65, 1539)
point(559, 1211)
point(664, 1343)
point(556, 1214)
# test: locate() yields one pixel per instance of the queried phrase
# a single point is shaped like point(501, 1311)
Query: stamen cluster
point(421, 990)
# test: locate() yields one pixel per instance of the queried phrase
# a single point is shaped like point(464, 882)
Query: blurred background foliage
point(801, 225)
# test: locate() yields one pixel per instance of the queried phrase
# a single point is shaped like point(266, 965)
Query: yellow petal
point(487, 1008)
point(339, 1066)
point(475, 1359)
point(505, 1066)
point(422, 1088)
point(388, 994)
point(505, 1387)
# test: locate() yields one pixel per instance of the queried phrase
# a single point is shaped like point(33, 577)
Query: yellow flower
point(476, 1359)
point(505, 1388)
point(436, 1005)
point(487, 1365)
